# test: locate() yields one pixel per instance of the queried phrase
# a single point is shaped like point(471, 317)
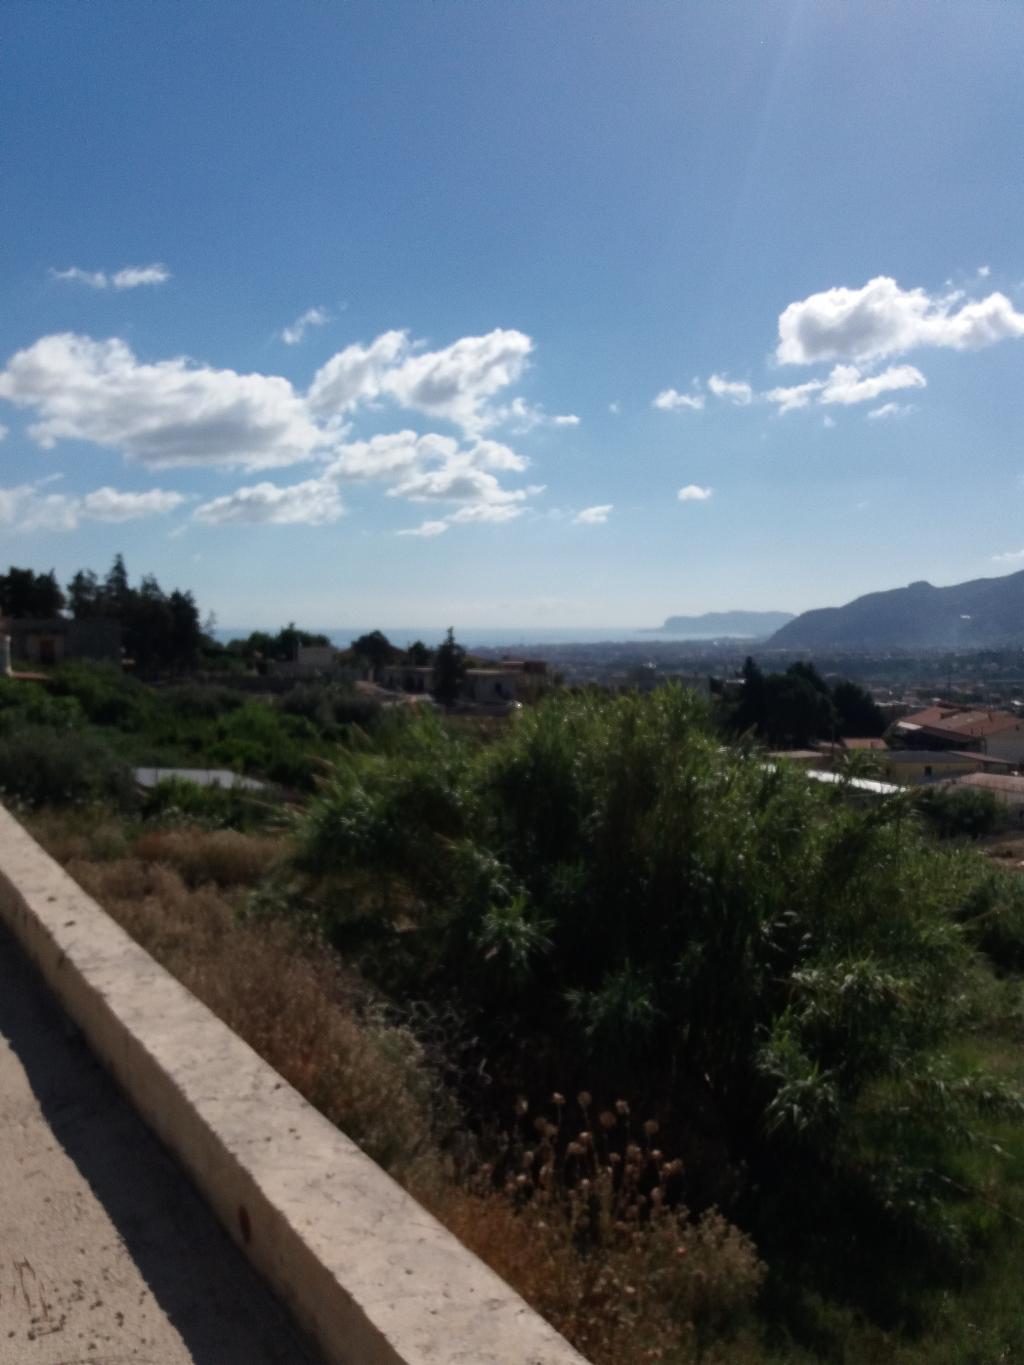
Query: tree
point(856, 711)
point(418, 654)
point(376, 649)
point(449, 670)
point(117, 590)
point(24, 593)
point(84, 595)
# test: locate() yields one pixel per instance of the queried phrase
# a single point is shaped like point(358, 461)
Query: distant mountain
point(986, 611)
point(745, 624)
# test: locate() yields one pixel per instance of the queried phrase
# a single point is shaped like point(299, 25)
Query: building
point(311, 661)
point(509, 680)
point(1000, 734)
point(48, 642)
point(910, 767)
point(415, 678)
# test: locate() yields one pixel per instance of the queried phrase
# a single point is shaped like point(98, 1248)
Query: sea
point(497, 637)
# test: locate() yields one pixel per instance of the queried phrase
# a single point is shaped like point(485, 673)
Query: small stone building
point(48, 642)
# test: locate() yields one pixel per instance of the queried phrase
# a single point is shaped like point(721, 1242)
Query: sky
point(512, 312)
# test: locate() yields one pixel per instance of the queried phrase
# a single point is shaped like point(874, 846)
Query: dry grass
point(620, 1283)
point(295, 1007)
point(659, 1292)
point(222, 856)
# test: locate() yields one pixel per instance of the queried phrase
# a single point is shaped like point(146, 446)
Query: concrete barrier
point(369, 1274)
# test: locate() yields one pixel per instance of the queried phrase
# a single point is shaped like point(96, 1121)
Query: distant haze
point(746, 625)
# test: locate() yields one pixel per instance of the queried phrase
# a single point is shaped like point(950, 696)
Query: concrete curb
point(369, 1274)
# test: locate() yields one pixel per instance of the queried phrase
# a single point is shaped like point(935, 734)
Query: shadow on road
point(218, 1306)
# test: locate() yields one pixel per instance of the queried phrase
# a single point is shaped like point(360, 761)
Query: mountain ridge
point(747, 624)
point(973, 614)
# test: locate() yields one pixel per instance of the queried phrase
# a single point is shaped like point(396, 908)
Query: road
point(107, 1254)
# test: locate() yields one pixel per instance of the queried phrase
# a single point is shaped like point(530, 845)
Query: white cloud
point(616, 408)
point(888, 410)
point(693, 492)
point(594, 516)
point(134, 275)
point(669, 400)
point(389, 455)
point(984, 271)
point(734, 389)
point(25, 507)
point(828, 422)
point(426, 528)
point(881, 319)
point(314, 502)
point(567, 419)
point(795, 396)
point(1010, 557)
point(487, 511)
point(107, 504)
point(493, 455)
point(312, 317)
point(847, 385)
point(453, 384)
point(129, 277)
point(455, 481)
point(4, 431)
point(178, 412)
point(173, 412)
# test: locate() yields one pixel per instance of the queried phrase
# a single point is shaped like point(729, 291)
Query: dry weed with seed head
point(591, 1229)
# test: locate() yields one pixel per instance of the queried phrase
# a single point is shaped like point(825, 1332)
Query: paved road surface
point(107, 1255)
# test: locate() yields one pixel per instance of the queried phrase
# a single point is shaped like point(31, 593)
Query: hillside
point(746, 624)
point(985, 611)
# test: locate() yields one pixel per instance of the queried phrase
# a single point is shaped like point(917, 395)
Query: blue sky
point(611, 311)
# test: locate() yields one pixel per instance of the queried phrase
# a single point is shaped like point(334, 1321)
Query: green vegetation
point(795, 708)
point(791, 1022)
point(99, 716)
point(801, 991)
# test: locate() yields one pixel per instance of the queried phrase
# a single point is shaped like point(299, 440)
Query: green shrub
point(24, 704)
point(43, 766)
point(106, 694)
point(606, 885)
point(179, 802)
point(960, 812)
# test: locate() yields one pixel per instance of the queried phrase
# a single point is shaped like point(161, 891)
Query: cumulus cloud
point(594, 516)
point(107, 504)
point(426, 529)
point(693, 492)
point(1009, 557)
point(881, 319)
point(455, 481)
point(669, 400)
point(794, 396)
point(566, 419)
point(453, 384)
point(129, 277)
point(489, 511)
point(172, 412)
point(889, 410)
point(389, 455)
point(25, 507)
point(314, 502)
point(734, 389)
point(847, 385)
point(312, 317)
point(180, 412)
